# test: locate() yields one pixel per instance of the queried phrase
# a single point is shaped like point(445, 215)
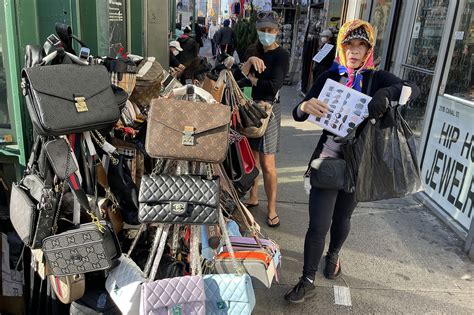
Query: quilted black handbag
point(183, 199)
point(67, 98)
point(85, 249)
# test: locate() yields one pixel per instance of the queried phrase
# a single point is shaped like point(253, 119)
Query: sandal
point(270, 221)
point(250, 205)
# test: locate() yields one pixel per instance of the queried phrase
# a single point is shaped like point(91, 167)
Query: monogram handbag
point(185, 130)
point(229, 294)
point(124, 286)
point(182, 295)
point(91, 247)
point(148, 82)
point(67, 98)
point(68, 288)
point(183, 199)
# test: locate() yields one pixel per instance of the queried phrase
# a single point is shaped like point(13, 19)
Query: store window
point(4, 118)
point(363, 10)
point(461, 72)
point(425, 41)
point(379, 19)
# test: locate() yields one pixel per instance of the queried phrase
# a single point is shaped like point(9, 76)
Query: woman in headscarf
point(331, 209)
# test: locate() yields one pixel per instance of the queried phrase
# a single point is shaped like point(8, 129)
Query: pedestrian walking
point(226, 39)
point(266, 69)
point(329, 209)
point(213, 29)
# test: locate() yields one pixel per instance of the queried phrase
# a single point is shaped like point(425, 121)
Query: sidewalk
point(399, 258)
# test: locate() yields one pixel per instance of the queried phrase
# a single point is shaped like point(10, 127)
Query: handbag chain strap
point(161, 248)
point(107, 147)
point(196, 267)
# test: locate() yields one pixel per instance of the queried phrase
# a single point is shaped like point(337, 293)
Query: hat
point(268, 19)
point(187, 29)
point(358, 33)
point(226, 23)
point(176, 45)
point(326, 33)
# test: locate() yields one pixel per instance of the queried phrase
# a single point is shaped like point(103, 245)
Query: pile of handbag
point(128, 160)
point(249, 120)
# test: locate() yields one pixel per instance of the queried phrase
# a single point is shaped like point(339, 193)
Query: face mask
point(175, 52)
point(324, 40)
point(266, 39)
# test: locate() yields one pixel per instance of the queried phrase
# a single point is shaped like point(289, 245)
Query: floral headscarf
point(355, 75)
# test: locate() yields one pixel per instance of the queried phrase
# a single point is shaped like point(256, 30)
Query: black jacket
point(190, 50)
point(226, 36)
point(380, 80)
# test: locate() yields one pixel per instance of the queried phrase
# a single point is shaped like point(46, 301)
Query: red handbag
point(246, 154)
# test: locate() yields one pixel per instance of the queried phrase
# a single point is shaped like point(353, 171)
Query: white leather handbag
point(124, 286)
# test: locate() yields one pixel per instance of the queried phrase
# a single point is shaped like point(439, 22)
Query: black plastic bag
point(382, 159)
point(388, 165)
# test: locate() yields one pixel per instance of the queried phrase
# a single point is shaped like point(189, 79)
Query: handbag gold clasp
point(81, 105)
point(188, 136)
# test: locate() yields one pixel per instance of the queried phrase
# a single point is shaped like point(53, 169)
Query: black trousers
point(213, 47)
point(328, 209)
point(229, 49)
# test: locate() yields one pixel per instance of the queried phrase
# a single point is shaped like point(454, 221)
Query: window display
point(419, 67)
point(461, 71)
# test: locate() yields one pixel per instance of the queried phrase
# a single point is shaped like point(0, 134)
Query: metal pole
point(173, 18)
point(194, 18)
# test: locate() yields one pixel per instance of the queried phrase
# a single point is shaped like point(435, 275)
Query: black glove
point(379, 104)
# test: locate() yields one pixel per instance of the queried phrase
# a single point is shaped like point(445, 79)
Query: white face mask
point(175, 52)
point(324, 39)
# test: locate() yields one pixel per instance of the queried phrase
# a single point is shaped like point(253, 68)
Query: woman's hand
point(314, 107)
point(253, 79)
point(256, 62)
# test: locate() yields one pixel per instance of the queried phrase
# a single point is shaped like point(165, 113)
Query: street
point(399, 258)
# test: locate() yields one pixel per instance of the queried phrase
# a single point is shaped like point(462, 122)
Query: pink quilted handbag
point(181, 295)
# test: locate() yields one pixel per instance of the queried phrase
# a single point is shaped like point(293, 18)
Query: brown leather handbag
point(185, 130)
point(148, 82)
point(216, 88)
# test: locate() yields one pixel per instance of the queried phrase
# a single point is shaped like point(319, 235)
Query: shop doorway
point(419, 64)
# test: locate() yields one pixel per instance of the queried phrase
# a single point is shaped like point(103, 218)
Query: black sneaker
point(302, 289)
point(332, 263)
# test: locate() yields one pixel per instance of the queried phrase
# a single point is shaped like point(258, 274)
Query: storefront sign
point(448, 165)
point(416, 30)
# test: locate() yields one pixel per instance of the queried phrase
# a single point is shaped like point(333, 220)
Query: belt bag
point(258, 264)
point(124, 286)
point(179, 199)
point(183, 295)
point(185, 130)
point(328, 173)
point(67, 98)
point(229, 294)
point(68, 288)
point(81, 250)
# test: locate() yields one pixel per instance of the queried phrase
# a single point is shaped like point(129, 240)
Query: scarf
point(355, 75)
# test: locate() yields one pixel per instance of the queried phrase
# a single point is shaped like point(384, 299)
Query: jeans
point(328, 209)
